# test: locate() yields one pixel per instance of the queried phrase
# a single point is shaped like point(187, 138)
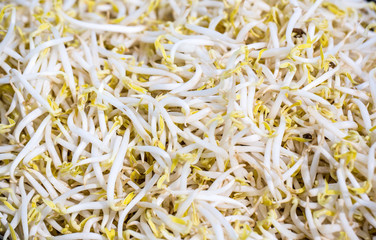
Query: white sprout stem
point(311, 224)
point(276, 152)
point(346, 226)
point(191, 83)
point(214, 223)
point(139, 196)
point(342, 185)
point(86, 135)
point(24, 208)
point(27, 120)
point(188, 41)
point(116, 168)
point(10, 33)
point(372, 85)
point(31, 144)
point(45, 45)
point(364, 113)
point(86, 206)
point(311, 10)
point(73, 236)
point(321, 79)
point(69, 193)
point(36, 185)
point(325, 123)
point(371, 162)
point(103, 27)
point(47, 185)
point(214, 212)
point(166, 159)
point(50, 147)
point(66, 64)
point(293, 19)
point(274, 34)
point(32, 91)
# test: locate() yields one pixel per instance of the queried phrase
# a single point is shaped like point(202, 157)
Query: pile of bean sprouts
point(187, 119)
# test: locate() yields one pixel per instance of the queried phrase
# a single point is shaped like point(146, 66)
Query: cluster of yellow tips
point(180, 119)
